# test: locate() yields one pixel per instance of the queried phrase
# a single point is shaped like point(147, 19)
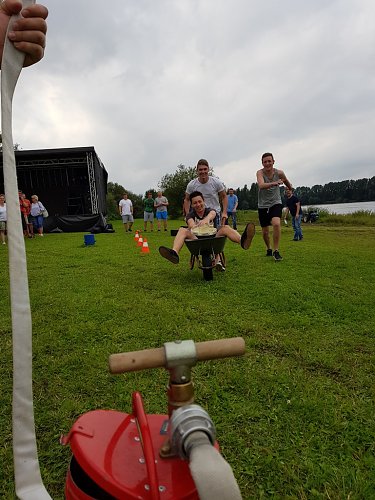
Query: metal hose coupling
point(185, 421)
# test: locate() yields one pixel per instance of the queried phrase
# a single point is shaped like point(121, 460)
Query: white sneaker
point(219, 266)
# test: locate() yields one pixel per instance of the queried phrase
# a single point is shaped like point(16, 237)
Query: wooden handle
point(137, 360)
point(224, 348)
point(155, 358)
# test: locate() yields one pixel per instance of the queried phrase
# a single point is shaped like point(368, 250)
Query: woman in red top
point(25, 207)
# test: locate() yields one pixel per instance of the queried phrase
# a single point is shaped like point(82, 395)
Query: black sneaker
point(169, 254)
point(269, 252)
point(277, 256)
point(247, 236)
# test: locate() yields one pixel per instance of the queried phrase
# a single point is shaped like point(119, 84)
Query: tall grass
point(294, 417)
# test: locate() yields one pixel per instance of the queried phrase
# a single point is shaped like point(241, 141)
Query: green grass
point(294, 417)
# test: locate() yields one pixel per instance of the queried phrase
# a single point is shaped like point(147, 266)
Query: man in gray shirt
point(270, 206)
point(213, 190)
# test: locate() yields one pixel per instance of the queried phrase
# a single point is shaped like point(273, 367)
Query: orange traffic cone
point(140, 241)
point(145, 247)
point(136, 236)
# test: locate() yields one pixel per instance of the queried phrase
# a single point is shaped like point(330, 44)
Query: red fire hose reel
point(139, 456)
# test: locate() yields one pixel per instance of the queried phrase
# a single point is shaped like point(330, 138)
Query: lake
point(346, 208)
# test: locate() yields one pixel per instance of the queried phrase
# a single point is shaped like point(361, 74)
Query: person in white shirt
point(126, 211)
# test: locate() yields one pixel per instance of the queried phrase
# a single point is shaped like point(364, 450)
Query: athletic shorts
point(162, 215)
point(267, 214)
point(127, 218)
point(148, 216)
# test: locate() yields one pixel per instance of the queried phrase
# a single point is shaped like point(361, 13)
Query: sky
point(152, 84)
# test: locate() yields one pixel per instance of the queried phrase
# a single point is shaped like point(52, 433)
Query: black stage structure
point(70, 182)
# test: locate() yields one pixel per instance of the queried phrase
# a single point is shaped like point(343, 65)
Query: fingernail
point(11, 35)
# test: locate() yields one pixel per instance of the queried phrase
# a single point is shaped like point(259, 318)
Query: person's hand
point(29, 32)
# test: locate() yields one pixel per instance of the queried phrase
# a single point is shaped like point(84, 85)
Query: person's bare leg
point(230, 233)
point(182, 235)
point(276, 232)
point(266, 236)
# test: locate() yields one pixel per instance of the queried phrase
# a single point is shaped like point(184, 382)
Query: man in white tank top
point(270, 207)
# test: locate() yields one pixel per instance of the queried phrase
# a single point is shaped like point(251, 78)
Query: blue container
point(89, 239)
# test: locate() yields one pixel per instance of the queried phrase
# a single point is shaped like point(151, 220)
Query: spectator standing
point(161, 204)
point(269, 180)
point(25, 207)
point(213, 190)
point(3, 219)
point(232, 207)
point(36, 213)
point(148, 214)
point(126, 212)
point(293, 205)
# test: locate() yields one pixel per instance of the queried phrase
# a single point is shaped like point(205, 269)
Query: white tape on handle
point(29, 485)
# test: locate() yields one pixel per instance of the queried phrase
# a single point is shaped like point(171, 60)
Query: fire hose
point(28, 481)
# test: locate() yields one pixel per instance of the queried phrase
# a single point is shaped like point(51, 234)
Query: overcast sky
point(155, 83)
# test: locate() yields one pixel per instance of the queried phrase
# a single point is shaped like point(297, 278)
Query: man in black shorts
point(270, 207)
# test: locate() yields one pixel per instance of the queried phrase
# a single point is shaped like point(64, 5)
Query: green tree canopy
point(174, 188)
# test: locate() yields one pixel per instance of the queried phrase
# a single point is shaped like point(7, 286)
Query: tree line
point(174, 185)
point(348, 191)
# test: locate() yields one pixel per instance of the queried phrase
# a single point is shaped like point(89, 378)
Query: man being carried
point(199, 216)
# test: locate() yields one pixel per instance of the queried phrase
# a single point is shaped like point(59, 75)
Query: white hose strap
point(213, 476)
point(28, 481)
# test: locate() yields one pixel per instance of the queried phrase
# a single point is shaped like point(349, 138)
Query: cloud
point(154, 84)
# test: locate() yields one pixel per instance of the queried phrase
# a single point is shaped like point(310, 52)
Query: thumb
point(10, 7)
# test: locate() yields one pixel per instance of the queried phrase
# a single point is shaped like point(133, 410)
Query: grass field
point(294, 417)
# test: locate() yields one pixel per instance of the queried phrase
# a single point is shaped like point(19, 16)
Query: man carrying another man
point(213, 190)
point(201, 215)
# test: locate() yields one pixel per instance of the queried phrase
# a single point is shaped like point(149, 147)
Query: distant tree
point(16, 146)
point(174, 188)
point(253, 196)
